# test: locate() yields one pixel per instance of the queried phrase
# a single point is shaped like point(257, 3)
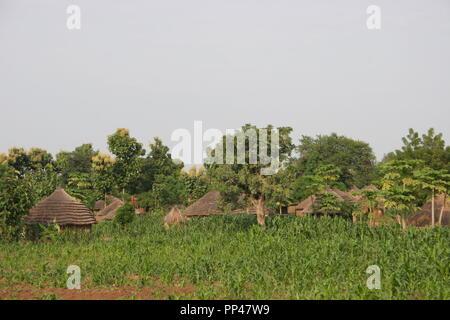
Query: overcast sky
point(156, 66)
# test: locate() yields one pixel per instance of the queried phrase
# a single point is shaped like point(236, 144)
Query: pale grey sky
point(155, 66)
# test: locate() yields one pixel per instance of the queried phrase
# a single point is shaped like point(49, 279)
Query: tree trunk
point(260, 212)
point(432, 207)
point(442, 209)
point(399, 219)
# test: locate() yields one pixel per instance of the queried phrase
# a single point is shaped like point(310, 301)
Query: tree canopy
point(241, 175)
point(355, 159)
point(430, 148)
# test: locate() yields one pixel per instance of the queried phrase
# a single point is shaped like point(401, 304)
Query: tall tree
point(430, 148)
point(16, 198)
point(78, 161)
point(236, 177)
point(103, 174)
point(399, 187)
point(19, 159)
point(158, 162)
point(127, 151)
point(355, 159)
point(39, 158)
point(195, 182)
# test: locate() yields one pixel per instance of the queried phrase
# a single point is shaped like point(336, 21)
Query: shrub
point(125, 214)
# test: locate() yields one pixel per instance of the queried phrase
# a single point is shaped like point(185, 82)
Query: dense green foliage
point(127, 151)
point(231, 257)
point(256, 171)
point(125, 214)
point(158, 162)
point(76, 162)
point(407, 177)
point(317, 181)
point(18, 194)
point(430, 148)
point(354, 159)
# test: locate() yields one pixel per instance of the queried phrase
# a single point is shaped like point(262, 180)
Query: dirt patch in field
point(157, 292)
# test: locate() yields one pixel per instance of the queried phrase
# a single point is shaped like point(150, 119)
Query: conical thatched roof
point(102, 204)
point(342, 195)
point(60, 208)
point(110, 211)
point(173, 217)
point(207, 205)
point(302, 208)
point(99, 205)
point(423, 217)
point(307, 206)
point(370, 187)
point(204, 206)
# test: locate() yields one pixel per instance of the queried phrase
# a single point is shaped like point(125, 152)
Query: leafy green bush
point(125, 214)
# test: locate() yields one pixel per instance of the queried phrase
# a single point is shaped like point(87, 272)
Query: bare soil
point(157, 292)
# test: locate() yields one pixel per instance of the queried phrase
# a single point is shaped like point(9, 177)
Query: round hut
point(60, 208)
point(109, 213)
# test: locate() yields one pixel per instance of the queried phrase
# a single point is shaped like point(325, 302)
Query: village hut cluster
point(62, 209)
point(69, 214)
point(208, 205)
point(203, 207)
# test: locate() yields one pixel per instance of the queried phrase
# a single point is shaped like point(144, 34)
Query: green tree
point(125, 215)
point(19, 159)
point(399, 187)
point(169, 190)
point(355, 159)
point(39, 158)
point(16, 199)
point(44, 181)
point(158, 162)
point(195, 182)
point(78, 161)
point(81, 187)
point(307, 185)
point(103, 179)
point(369, 201)
point(127, 151)
point(327, 202)
point(430, 148)
point(250, 170)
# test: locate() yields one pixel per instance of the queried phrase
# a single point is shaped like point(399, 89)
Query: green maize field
point(230, 257)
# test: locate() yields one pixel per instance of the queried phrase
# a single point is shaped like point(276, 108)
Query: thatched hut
point(306, 206)
point(423, 217)
point(62, 209)
point(302, 208)
point(370, 187)
point(99, 205)
point(103, 203)
point(208, 205)
point(173, 217)
point(110, 211)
